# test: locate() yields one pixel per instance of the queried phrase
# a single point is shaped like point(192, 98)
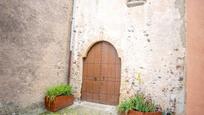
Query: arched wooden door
point(101, 74)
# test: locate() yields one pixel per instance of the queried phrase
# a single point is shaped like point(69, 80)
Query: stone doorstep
point(86, 108)
point(95, 106)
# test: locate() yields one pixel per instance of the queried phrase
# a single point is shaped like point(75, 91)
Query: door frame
point(84, 55)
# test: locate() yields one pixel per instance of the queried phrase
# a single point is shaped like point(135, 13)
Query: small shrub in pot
point(58, 97)
point(139, 105)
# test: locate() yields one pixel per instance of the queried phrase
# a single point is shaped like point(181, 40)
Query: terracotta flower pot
point(132, 112)
point(58, 103)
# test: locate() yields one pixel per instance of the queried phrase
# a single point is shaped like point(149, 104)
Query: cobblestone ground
point(85, 108)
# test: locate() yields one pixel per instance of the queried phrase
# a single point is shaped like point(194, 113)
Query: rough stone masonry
point(149, 40)
point(34, 46)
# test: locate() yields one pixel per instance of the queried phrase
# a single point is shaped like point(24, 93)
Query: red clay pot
point(58, 103)
point(133, 112)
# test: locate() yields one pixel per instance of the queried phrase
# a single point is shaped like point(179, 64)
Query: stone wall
point(150, 40)
point(34, 39)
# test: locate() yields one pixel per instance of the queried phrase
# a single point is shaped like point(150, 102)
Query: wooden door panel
point(89, 86)
point(102, 88)
point(110, 87)
point(97, 55)
point(111, 99)
point(101, 75)
point(96, 87)
point(90, 70)
point(108, 70)
point(96, 97)
point(89, 96)
point(97, 70)
point(102, 98)
point(108, 53)
point(117, 72)
point(117, 89)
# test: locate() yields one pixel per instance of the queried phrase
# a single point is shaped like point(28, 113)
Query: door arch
point(101, 74)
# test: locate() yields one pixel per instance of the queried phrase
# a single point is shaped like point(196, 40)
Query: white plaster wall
point(148, 38)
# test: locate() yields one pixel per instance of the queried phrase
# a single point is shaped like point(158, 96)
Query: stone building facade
point(149, 36)
point(149, 39)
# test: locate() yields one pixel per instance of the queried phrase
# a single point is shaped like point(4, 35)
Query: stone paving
point(86, 108)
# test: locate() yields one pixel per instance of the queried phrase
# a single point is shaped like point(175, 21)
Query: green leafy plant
point(143, 104)
point(125, 106)
point(138, 103)
point(59, 90)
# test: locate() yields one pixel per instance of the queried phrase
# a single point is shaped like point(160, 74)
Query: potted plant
point(58, 97)
point(139, 105)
